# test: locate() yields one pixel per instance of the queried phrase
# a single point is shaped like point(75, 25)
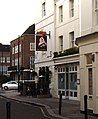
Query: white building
point(65, 21)
point(62, 22)
point(88, 49)
point(46, 24)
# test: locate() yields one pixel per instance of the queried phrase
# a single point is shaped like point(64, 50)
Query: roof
point(4, 48)
point(30, 30)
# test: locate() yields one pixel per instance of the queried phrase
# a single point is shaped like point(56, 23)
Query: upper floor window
point(8, 59)
point(61, 14)
point(71, 8)
point(43, 9)
point(31, 61)
point(61, 43)
point(2, 59)
point(32, 46)
point(71, 37)
point(16, 49)
point(19, 47)
point(13, 50)
point(96, 11)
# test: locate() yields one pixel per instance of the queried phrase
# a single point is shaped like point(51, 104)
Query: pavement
point(50, 106)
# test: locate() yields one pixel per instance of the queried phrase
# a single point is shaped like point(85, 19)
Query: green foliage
point(66, 52)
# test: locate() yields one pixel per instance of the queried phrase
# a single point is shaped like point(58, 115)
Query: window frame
point(71, 8)
point(43, 9)
point(61, 13)
point(96, 12)
point(61, 43)
point(32, 46)
point(72, 39)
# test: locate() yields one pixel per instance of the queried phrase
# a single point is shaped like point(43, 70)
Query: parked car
point(10, 85)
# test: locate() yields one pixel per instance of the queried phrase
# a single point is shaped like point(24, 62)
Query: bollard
point(60, 103)
point(8, 110)
point(85, 106)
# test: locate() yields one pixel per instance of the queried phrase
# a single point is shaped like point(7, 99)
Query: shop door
point(73, 85)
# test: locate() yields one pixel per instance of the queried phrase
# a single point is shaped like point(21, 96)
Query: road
point(20, 110)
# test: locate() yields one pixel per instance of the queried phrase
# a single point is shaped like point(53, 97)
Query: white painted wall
point(46, 24)
point(68, 25)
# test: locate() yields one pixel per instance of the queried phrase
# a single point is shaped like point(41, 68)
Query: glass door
point(73, 85)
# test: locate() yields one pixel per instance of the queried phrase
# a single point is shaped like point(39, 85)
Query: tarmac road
point(20, 110)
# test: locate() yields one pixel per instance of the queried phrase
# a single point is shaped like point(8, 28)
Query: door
point(73, 85)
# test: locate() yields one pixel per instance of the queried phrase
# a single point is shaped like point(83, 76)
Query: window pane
point(71, 37)
point(43, 9)
point(73, 81)
point(96, 3)
point(61, 13)
point(71, 8)
point(61, 81)
point(96, 12)
point(61, 43)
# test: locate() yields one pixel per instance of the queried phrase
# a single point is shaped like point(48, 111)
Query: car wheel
point(5, 88)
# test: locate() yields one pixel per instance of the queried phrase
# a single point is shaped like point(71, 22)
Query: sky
point(15, 17)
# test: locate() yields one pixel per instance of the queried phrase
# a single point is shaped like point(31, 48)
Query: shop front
point(67, 81)
point(67, 75)
point(88, 47)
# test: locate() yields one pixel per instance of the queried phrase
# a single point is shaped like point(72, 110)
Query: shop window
point(63, 93)
point(61, 81)
point(67, 69)
point(75, 68)
point(67, 93)
point(59, 92)
point(73, 81)
point(75, 94)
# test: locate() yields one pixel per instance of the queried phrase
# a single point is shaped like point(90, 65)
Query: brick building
point(22, 55)
point(4, 58)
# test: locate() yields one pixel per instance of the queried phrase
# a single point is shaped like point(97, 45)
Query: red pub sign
point(41, 41)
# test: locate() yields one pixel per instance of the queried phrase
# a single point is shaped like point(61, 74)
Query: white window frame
point(32, 46)
point(61, 43)
point(71, 8)
point(43, 9)
point(2, 59)
point(13, 50)
point(8, 59)
point(72, 40)
point(16, 49)
point(61, 13)
point(96, 12)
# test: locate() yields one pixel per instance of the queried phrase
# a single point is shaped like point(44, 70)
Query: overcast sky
point(15, 17)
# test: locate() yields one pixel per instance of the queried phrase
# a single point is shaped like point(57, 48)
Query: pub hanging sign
point(41, 41)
